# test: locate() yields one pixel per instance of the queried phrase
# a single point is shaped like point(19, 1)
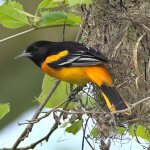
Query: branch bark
point(113, 113)
point(54, 127)
point(30, 30)
point(57, 121)
point(28, 129)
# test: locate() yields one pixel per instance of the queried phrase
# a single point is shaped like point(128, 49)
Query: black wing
point(79, 55)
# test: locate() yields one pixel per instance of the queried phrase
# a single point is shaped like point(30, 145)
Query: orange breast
point(79, 75)
point(74, 75)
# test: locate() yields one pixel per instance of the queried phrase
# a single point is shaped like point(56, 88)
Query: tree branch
point(89, 144)
point(28, 129)
point(82, 28)
point(116, 112)
point(44, 116)
point(71, 96)
point(84, 132)
point(57, 121)
point(132, 106)
point(16, 35)
point(30, 30)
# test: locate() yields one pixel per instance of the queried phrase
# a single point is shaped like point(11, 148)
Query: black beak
point(23, 54)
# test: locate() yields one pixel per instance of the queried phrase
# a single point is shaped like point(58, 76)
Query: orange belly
point(74, 75)
point(79, 75)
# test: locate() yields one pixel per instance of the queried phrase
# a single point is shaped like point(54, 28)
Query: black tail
point(112, 98)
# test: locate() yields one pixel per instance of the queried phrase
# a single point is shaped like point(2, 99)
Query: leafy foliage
point(88, 101)
point(120, 130)
point(140, 131)
point(56, 3)
point(80, 2)
point(55, 18)
point(49, 4)
point(4, 109)
point(10, 16)
point(59, 95)
point(75, 127)
point(95, 133)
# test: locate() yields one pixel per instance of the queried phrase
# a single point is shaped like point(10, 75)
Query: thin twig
point(45, 115)
point(145, 27)
point(116, 112)
point(64, 27)
point(84, 131)
point(78, 37)
point(78, 112)
point(45, 138)
point(55, 126)
point(16, 35)
point(74, 92)
point(132, 106)
point(28, 129)
point(135, 55)
point(89, 143)
point(30, 30)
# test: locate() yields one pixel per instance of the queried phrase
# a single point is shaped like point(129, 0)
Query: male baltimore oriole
point(77, 64)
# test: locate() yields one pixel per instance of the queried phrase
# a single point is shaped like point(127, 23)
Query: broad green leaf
point(75, 127)
point(73, 19)
point(55, 18)
point(49, 4)
point(4, 109)
point(95, 133)
point(120, 130)
point(58, 96)
point(10, 17)
point(140, 131)
point(76, 2)
point(88, 101)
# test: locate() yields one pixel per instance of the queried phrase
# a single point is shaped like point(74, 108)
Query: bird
point(76, 63)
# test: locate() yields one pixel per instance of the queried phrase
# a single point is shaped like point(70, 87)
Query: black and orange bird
point(77, 64)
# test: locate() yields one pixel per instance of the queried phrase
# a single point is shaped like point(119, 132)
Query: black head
point(37, 52)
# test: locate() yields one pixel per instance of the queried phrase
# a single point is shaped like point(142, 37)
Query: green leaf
point(73, 119)
point(73, 19)
point(120, 130)
point(49, 4)
point(76, 2)
point(75, 127)
point(95, 133)
point(58, 96)
point(64, 124)
point(53, 16)
point(58, 0)
point(140, 131)
point(88, 101)
point(4, 109)
point(10, 17)
point(57, 17)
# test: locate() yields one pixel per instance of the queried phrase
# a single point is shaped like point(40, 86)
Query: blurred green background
point(20, 80)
